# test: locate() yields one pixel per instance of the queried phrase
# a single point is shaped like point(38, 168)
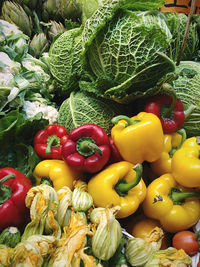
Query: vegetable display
point(99, 134)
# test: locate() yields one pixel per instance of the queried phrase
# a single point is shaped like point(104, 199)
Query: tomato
point(198, 264)
point(187, 241)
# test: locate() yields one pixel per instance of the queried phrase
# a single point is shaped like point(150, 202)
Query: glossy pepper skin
point(169, 110)
point(139, 138)
point(48, 142)
point(13, 211)
point(176, 210)
point(57, 171)
point(87, 148)
point(172, 142)
point(115, 155)
point(119, 184)
point(186, 163)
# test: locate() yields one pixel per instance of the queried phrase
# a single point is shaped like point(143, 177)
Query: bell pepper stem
point(86, 146)
point(47, 181)
point(52, 140)
point(182, 132)
point(5, 191)
point(169, 90)
point(179, 196)
point(122, 187)
point(129, 121)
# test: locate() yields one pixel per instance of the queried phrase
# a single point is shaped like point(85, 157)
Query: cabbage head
point(64, 60)
point(82, 107)
point(177, 22)
point(125, 51)
point(187, 88)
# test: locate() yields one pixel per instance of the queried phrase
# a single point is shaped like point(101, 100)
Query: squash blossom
point(81, 199)
point(108, 233)
point(63, 215)
point(139, 250)
point(43, 203)
point(139, 138)
point(70, 247)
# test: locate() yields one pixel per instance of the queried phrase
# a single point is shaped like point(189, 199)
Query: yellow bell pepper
point(186, 163)
point(139, 138)
point(57, 171)
point(172, 142)
point(120, 184)
point(176, 208)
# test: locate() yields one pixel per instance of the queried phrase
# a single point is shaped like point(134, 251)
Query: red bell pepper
point(87, 148)
point(168, 108)
point(13, 190)
point(115, 155)
point(48, 142)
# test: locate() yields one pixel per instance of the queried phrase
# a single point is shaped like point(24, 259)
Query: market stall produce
point(99, 134)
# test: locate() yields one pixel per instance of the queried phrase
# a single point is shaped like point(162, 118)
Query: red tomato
point(187, 241)
point(198, 264)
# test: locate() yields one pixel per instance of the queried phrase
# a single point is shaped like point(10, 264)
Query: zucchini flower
point(108, 233)
point(81, 199)
point(43, 203)
point(169, 257)
point(33, 251)
point(6, 255)
point(38, 45)
point(63, 215)
point(15, 14)
point(55, 28)
point(139, 250)
point(70, 246)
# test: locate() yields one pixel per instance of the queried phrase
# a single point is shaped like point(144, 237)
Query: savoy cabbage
point(119, 53)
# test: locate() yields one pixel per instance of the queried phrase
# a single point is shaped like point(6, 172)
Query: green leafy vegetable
point(124, 51)
point(82, 107)
point(16, 138)
point(187, 88)
point(177, 24)
point(65, 63)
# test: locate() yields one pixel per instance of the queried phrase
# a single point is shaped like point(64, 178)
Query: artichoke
point(30, 3)
point(70, 9)
point(38, 45)
point(55, 28)
point(15, 14)
point(50, 10)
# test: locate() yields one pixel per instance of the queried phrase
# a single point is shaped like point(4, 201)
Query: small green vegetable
point(10, 236)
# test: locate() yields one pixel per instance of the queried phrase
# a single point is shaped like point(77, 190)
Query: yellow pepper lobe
point(186, 164)
point(142, 141)
point(102, 188)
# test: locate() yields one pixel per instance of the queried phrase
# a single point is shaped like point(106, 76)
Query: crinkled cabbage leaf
point(125, 51)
